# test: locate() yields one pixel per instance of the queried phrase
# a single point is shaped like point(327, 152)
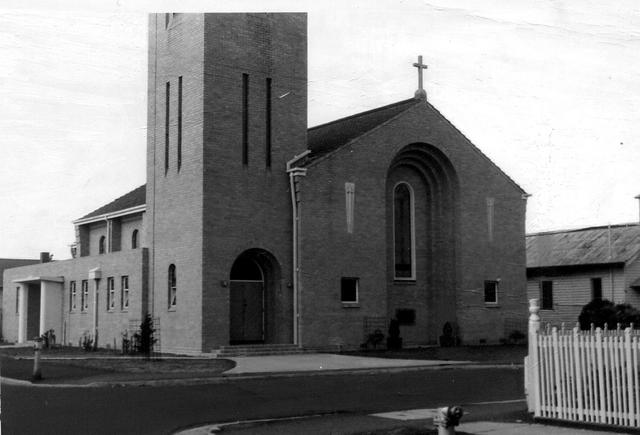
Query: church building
point(254, 229)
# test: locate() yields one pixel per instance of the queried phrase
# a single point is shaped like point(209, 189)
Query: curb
point(224, 378)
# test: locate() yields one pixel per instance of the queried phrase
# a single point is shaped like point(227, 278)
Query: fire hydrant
point(447, 418)
point(37, 348)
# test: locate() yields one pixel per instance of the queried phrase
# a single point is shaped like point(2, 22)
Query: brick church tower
point(227, 107)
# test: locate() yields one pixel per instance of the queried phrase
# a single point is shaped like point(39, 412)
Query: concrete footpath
point(408, 422)
point(324, 362)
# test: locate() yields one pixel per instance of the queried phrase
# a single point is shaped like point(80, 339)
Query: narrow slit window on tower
point(166, 127)
point(267, 118)
point(245, 119)
point(403, 232)
point(179, 123)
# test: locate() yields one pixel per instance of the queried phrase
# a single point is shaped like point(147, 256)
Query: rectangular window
point(124, 293)
point(546, 290)
point(596, 288)
point(349, 290)
point(111, 294)
point(491, 292)
point(85, 295)
point(245, 119)
point(166, 127)
point(267, 127)
point(179, 122)
point(72, 295)
point(17, 300)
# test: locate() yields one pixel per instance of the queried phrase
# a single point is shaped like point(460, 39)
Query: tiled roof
point(323, 139)
point(595, 245)
point(131, 199)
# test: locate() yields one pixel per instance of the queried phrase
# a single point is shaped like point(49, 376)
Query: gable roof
point(594, 245)
point(325, 138)
point(322, 139)
point(134, 198)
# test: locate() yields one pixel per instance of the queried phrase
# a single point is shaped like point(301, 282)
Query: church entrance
point(247, 302)
point(260, 301)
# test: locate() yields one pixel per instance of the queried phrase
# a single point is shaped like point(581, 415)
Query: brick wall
point(131, 263)
point(174, 197)
point(330, 252)
point(249, 206)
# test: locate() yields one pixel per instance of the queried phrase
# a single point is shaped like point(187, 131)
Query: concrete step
point(259, 350)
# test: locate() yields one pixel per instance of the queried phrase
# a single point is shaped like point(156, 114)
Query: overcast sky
point(549, 90)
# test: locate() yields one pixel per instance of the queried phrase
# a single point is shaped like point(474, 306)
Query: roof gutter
point(115, 214)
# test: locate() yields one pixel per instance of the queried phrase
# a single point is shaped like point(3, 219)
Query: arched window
point(403, 232)
point(134, 239)
point(172, 285)
point(101, 243)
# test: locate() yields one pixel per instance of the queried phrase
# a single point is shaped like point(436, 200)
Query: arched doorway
point(255, 299)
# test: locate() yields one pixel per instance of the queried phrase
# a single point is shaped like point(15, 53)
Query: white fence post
point(532, 361)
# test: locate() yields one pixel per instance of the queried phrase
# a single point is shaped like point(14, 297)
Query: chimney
point(45, 257)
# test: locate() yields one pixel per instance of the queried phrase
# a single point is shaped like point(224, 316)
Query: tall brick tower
point(227, 107)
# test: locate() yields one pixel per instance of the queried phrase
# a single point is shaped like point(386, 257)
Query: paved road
point(157, 410)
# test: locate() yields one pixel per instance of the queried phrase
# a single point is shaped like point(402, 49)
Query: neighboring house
point(568, 269)
point(252, 228)
point(8, 263)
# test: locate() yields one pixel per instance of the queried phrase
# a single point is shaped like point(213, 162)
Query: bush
point(144, 339)
point(601, 312)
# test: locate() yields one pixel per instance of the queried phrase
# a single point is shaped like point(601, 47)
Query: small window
point(124, 293)
point(596, 288)
point(546, 290)
point(172, 286)
point(85, 295)
point(491, 292)
point(134, 239)
point(101, 243)
point(17, 300)
point(349, 290)
point(72, 296)
point(111, 294)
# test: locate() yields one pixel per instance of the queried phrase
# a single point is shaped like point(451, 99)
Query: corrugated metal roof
point(131, 199)
point(594, 245)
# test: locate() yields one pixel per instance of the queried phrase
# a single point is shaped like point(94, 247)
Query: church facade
point(252, 228)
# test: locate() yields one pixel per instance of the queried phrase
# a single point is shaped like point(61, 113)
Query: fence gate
point(583, 376)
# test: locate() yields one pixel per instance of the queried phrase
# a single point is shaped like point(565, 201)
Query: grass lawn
point(77, 366)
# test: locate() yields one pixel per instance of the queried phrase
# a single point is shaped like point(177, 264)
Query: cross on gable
point(420, 93)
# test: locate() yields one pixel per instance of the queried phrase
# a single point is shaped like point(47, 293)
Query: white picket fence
point(584, 376)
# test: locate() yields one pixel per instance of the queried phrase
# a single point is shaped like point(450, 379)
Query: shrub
point(601, 312)
point(144, 339)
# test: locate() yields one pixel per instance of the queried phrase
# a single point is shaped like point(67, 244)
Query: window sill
point(490, 305)
point(351, 305)
point(172, 309)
